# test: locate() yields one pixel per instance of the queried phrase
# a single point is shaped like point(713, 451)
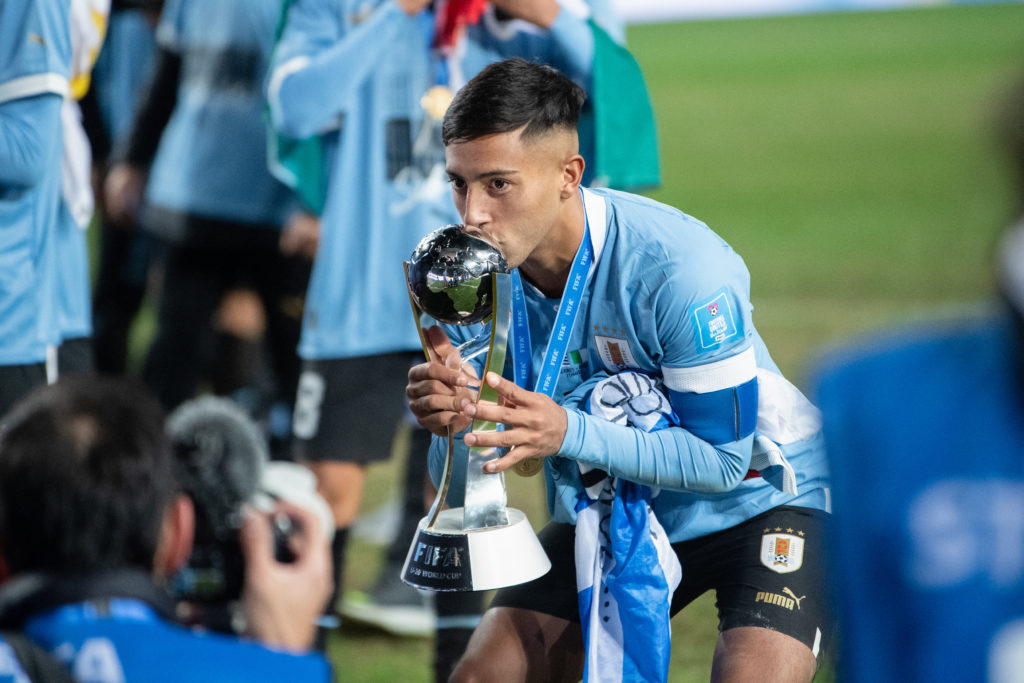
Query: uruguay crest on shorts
point(782, 553)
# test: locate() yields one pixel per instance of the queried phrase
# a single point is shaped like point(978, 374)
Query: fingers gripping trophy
point(458, 279)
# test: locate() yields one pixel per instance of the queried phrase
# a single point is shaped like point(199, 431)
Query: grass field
point(849, 158)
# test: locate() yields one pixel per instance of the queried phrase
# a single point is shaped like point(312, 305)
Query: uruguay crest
point(782, 553)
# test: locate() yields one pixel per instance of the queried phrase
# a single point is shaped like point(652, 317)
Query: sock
point(412, 496)
point(338, 546)
point(458, 613)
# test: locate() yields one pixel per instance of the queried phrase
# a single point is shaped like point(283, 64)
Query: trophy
point(458, 279)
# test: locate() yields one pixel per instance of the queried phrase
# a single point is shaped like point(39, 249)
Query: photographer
point(93, 521)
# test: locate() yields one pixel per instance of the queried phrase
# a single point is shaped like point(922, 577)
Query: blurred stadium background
point(847, 155)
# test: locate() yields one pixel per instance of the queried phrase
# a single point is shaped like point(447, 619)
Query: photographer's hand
point(282, 601)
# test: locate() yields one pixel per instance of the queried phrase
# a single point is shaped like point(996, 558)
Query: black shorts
point(767, 572)
point(16, 381)
point(346, 410)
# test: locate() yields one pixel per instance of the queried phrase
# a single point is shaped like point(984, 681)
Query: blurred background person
point(381, 74)
point(93, 522)
point(924, 429)
point(122, 259)
point(35, 68)
point(214, 210)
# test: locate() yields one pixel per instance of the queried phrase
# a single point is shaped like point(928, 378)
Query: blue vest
point(925, 435)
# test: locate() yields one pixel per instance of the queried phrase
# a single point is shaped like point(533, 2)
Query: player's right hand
point(439, 390)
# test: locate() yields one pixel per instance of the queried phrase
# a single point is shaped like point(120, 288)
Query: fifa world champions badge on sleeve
point(458, 279)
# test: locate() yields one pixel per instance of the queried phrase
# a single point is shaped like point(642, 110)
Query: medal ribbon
point(561, 332)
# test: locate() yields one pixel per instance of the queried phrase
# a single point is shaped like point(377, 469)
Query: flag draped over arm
point(626, 570)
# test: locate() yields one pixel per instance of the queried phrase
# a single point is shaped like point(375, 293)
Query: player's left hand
point(534, 424)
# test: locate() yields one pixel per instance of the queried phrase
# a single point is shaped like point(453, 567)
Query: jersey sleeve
point(35, 49)
point(35, 54)
point(708, 365)
point(319, 64)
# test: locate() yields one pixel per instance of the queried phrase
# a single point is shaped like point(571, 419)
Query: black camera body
point(215, 572)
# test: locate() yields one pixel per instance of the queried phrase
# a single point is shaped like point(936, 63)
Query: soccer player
point(924, 428)
point(123, 250)
point(384, 71)
point(34, 73)
point(93, 521)
point(633, 286)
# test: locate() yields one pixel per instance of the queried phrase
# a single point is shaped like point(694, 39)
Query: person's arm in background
point(27, 138)
point(318, 67)
point(126, 181)
point(568, 23)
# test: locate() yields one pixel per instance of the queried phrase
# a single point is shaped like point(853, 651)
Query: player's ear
point(177, 531)
point(572, 175)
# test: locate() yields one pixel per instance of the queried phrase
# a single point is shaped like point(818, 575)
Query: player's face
point(510, 192)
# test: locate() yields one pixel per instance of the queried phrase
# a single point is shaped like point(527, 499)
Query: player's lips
point(473, 231)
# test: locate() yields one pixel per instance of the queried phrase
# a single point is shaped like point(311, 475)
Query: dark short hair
point(85, 477)
point(510, 95)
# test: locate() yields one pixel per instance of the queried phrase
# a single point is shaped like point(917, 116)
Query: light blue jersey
point(924, 432)
point(212, 159)
point(364, 65)
point(35, 55)
point(668, 298)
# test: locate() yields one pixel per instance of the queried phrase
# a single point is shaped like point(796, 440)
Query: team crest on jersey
point(782, 553)
point(615, 353)
point(715, 322)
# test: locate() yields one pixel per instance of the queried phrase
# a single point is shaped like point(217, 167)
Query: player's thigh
point(751, 654)
point(535, 625)
point(346, 410)
point(513, 644)
point(769, 577)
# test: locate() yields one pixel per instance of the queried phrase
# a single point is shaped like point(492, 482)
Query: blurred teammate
point(123, 251)
point(924, 428)
point(384, 72)
point(86, 466)
point(653, 319)
point(34, 72)
point(211, 203)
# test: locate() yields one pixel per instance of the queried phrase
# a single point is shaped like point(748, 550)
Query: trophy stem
point(446, 480)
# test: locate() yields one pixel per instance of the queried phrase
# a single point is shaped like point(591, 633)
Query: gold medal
point(436, 100)
point(528, 467)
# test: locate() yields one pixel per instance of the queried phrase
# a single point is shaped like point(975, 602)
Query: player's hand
point(534, 424)
point(282, 600)
point(538, 12)
point(123, 192)
point(438, 390)
point(300, 236)
point(413, 7)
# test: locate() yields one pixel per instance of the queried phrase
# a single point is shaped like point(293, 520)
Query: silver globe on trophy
point(459, 279)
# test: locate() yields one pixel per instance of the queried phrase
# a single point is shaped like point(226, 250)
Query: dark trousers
point(194, 282)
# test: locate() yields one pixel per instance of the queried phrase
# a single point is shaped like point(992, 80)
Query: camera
point(220, 462)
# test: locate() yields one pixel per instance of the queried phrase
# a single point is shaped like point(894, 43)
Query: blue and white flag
point(626, 570)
